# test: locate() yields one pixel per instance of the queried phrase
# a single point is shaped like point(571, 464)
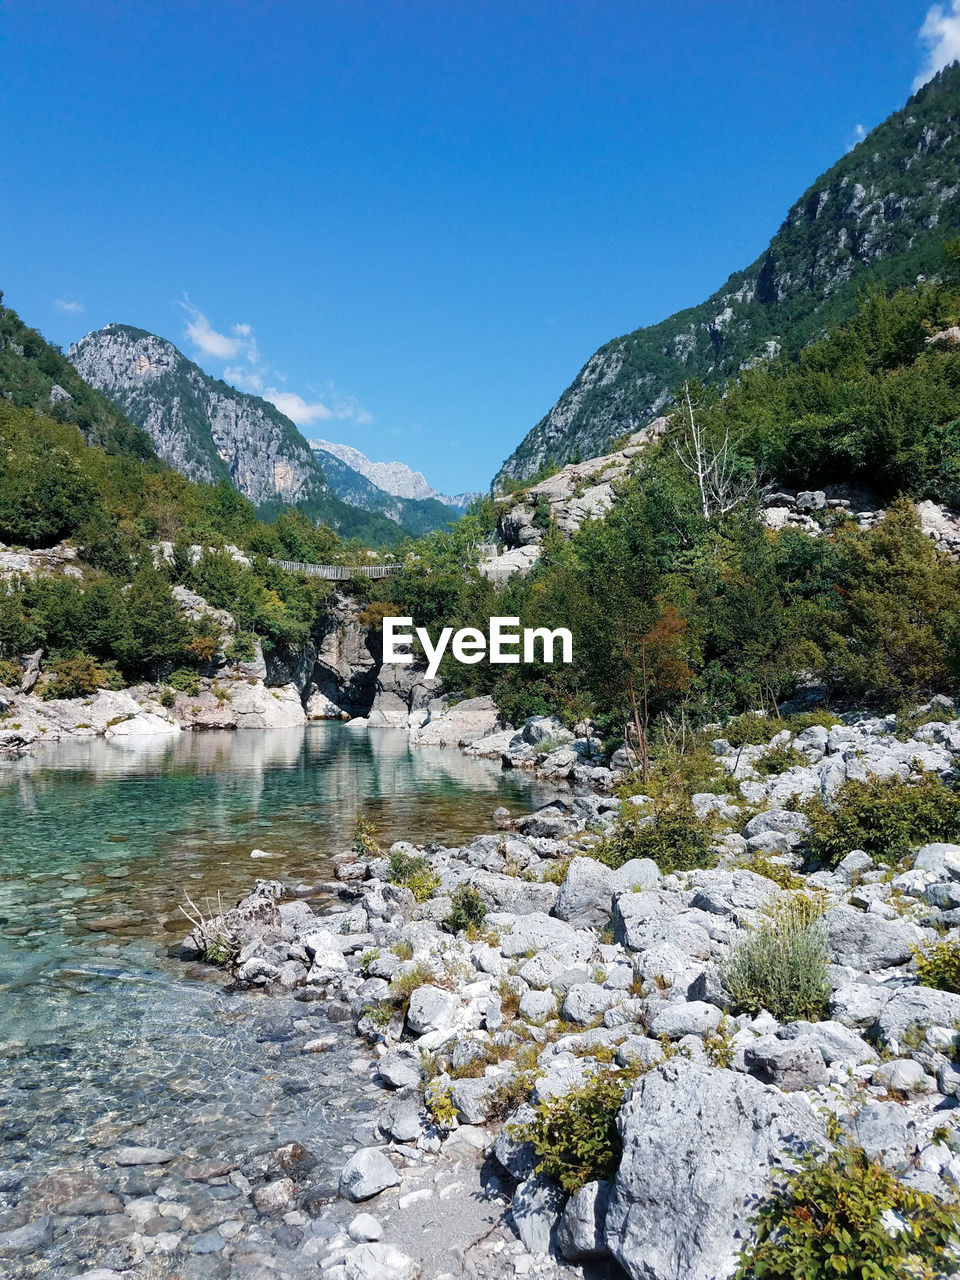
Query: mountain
point(882, 213)
point(36, 375)
point(209, 431)
point(393, 477)
point(416, 516)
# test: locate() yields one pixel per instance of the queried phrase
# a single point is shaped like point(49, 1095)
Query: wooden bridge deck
point(338, 572)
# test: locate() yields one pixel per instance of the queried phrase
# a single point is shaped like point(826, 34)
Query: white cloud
point(941, 34)
point(300, 411)
point(247, 371)
point(71, 307)
point(207, 339)
point(859, 133)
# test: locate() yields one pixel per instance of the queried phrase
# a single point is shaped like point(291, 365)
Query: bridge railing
point(338, 572)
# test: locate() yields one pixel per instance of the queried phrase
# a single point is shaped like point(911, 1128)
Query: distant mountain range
point(391, 477)
point(208, 430)
point(881, 213)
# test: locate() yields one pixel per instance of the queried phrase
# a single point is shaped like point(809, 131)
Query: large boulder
point(699, 1145)
point(432, 1009)
point(538, 932)
point(868, 942)
point(916, 1007)
point(586, 895)
point(459, 725)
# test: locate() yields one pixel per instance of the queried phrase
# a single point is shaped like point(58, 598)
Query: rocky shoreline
point(577, 971)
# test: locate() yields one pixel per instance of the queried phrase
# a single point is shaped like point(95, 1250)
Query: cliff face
point(202, 427)
point(882, 213)
point(209, 431)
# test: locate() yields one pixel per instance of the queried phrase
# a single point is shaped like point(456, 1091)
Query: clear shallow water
point(103, 1039)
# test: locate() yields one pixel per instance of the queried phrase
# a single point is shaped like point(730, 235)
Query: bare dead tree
point(721, 483)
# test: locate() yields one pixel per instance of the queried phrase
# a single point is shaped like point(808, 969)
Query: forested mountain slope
point(880, 213)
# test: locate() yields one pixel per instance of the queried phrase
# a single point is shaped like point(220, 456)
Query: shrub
point(939, 966)
point(413, 873)
point(185, 681)
point(575, 1136)
point(842, 1214)
point(883, 816)
point(242, 648)
point(775, 871)
point(781, 962)
point(364, 840)
point(778, 760)
point(80, 676)
point(676, 840)
point(168, 698)
point(469, 911)
point(11, 674)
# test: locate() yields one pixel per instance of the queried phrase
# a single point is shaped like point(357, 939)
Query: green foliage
point(839, 1213)
point(938, 965)
point(780, 964)
point(31, 367)
point(413, 873)
point(183, 680)
point(883, 816)
point(468, 910)
point(575, 1135)
point(438, 1099)
point(778, 760)
point(676, 839)
point(242, 648)
point(11, 673)
point(78, 677)
point(365, 840)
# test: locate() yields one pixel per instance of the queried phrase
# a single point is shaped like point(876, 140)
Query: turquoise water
point(104, 1039)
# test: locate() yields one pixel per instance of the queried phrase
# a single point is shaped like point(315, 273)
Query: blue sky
point(412, 221)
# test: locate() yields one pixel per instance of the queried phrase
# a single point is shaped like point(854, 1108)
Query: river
point(106, 1041)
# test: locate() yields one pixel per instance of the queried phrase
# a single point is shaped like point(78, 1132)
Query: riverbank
point(530, 971)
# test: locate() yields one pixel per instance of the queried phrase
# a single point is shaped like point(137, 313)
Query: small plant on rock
point(368, 960)
point(939, 966)
point(468, 910)
point(364, 841)
point(413, 873)
point(841, 1214)
point(780, 964)
point(438, 1100)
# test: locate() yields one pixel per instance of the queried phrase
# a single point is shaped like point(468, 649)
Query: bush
point(415, 874)
point(242, 648)
point(79, 677)
point(364, 840)
point(469, 911)
point(168, 698)
point(575, 1136)
point(11, 673)
point(939, 966)
point(185, 681)
point(778, 760)
point(781, 963)
point(676, 840)
point(831, 1216)
point(883, 816)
